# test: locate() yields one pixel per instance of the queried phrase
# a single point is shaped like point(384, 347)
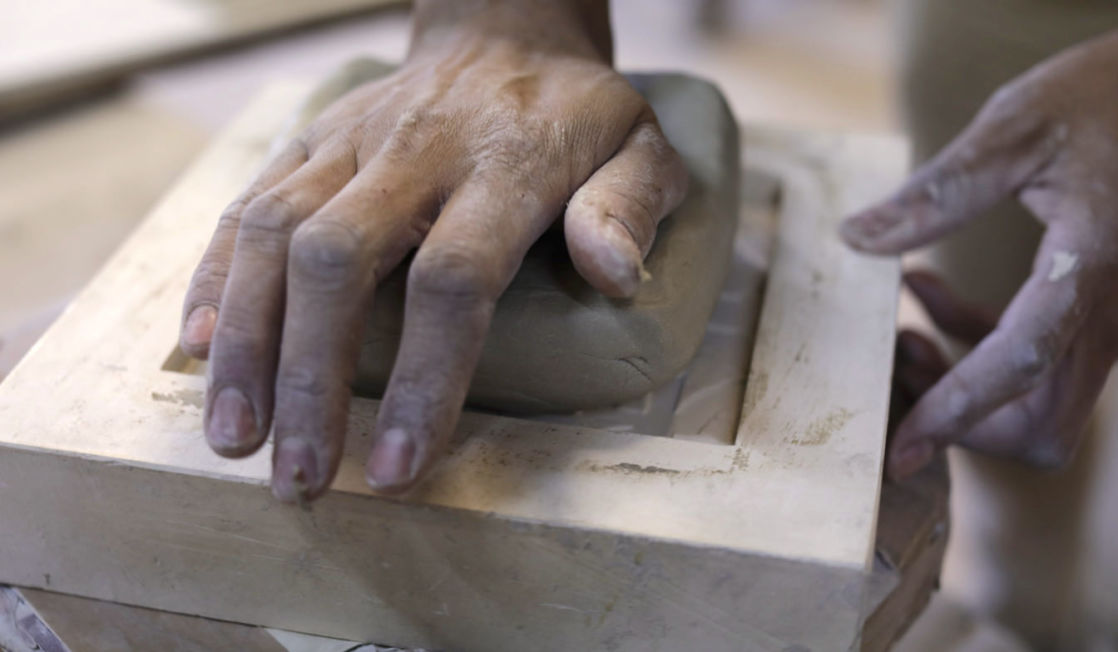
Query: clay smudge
point(1063, 263)
point(627, 467)
point(740, 462)
point(187, 397)
point(820, 431)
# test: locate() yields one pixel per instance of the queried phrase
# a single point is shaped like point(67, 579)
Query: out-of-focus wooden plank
point(56, 50)
point(71, 189)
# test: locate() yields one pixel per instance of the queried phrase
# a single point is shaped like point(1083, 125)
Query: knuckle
point(209, 278)
point(325, 250)
point(238, 344)
point(230, 219)
point(1011, 99)
point(269, 214)
point(638, 205)
point(1032, 360)
point(518, 92)
point(302, 380)
point(458, 273)
point(1003, 100)
point(1050, 452)
point(414, 131)
point(415, 117)
point(648, 134)
point(521, 144)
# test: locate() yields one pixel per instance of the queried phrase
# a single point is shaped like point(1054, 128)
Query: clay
point(558, 345)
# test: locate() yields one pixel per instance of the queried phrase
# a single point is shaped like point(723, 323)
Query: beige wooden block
point(530, 535)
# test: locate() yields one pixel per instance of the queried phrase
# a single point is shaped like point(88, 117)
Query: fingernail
point(199, 327)
point(911, 459)
point(232, 422)
point(621, 260)
point(628, 282)
point(295, 475)
point(390, 463)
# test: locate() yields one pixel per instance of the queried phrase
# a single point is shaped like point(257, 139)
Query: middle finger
point(335, 258)
point(466, 262)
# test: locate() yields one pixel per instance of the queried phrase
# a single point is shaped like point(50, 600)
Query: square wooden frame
point(529, 536)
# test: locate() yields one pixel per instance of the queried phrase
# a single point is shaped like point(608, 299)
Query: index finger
point(1032, 337)
point(995, 157)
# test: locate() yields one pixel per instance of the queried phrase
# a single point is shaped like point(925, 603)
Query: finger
point(916, 349)
point(1043, 428)
point(959, 319)
point(246, 338)
point(918, 366)
point(611, 220)
point(991, 160)
point(470, 256)
point(1030, 340)
point(917, 381)
point(203, 297)
point(335, 257)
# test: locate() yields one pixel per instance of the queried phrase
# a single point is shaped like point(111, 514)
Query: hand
point(1050, 139)
point(503, 114)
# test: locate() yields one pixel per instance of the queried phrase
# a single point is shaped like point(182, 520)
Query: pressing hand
point(504, 117)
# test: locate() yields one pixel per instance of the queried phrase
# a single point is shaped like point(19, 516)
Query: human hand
point(1050, 139)
point(504, 117)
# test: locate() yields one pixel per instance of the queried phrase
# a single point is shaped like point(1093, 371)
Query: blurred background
point(103, 103)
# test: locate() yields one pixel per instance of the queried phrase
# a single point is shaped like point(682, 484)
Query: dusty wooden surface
point(584, 535)
point(911, 538)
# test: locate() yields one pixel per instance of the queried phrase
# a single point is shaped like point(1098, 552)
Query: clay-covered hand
point(504, 117)
point(919, 363)
point(1050, 139)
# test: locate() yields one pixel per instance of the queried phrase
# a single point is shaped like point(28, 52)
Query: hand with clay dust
point(1050, 139)
point(504, 117)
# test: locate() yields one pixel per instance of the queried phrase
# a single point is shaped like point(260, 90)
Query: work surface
point(790, 506)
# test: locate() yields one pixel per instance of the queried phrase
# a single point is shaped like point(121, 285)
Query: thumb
point(611, 220)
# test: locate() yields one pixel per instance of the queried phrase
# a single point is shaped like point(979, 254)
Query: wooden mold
point(530, 535)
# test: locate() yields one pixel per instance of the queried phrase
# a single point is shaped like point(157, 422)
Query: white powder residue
point(1063, 263)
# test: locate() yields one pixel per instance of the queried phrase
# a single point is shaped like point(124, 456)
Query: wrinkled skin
point(1050, 139)
point(504, 117)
